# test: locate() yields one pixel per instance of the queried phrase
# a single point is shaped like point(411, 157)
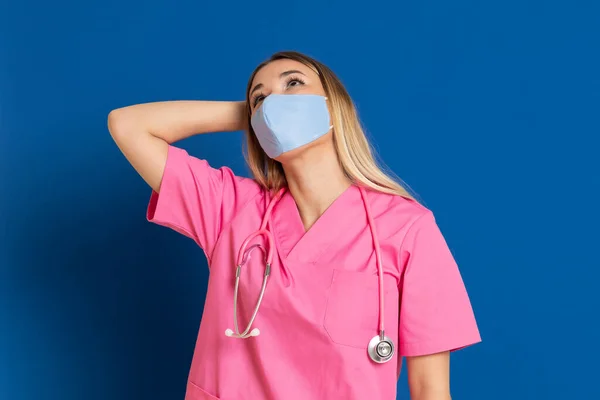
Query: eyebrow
point(282, 75)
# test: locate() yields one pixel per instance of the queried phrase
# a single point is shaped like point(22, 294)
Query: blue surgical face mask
point(286, 122)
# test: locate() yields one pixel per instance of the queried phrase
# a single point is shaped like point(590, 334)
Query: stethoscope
point(380, 348)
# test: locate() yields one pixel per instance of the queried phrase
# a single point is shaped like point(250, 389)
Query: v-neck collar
point(296, 244)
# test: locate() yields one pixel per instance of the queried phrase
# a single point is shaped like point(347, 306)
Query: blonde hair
point(354, 152)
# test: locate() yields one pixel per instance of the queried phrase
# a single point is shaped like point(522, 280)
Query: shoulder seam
point(416, 220)
point(228, 223)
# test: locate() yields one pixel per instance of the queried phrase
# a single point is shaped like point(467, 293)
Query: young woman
point(324, 272)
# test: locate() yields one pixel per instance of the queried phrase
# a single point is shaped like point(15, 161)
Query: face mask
point(286, 122)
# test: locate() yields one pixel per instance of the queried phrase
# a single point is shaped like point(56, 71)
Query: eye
point(257, 98)
point(294, 81)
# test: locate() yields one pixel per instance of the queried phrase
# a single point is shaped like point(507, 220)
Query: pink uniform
point(320, 307)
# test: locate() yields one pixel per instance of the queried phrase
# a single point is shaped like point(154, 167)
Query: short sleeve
point(195, 199)
point(435, 311)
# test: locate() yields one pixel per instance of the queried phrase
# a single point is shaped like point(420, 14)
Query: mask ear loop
point(326, 99)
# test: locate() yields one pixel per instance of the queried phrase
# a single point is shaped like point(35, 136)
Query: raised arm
point(143, 132)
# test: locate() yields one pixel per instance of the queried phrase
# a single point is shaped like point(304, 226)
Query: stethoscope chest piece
point(381, 349)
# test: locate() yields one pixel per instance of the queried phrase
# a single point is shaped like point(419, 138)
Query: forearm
point(172, 121)
point(430, 395)
point(429, 376)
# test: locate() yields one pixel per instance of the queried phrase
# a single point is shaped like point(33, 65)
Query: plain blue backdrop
point(488, 110)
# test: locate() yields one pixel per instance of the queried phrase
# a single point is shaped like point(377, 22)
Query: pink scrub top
point(320, 307)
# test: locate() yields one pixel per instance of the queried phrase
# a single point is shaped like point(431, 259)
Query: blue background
point(488, 110)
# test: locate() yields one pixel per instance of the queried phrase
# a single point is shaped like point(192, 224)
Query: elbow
point(112, 121)
point(119, 122)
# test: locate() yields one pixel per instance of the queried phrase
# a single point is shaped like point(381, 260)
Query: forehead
point(274, 69)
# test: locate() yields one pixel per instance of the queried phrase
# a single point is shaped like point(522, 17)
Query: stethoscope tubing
point(375, 345)
point(379, 263)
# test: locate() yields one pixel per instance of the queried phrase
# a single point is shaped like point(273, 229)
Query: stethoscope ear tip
point(253, 332)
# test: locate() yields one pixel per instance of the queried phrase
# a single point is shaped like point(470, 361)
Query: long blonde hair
point(354, 152)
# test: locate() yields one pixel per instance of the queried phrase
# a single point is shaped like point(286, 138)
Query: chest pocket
point(352, 310)
point(195, 392)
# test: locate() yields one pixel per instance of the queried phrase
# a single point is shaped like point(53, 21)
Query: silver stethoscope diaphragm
point(381, 348)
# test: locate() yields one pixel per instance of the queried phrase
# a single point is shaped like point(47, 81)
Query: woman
point(358, 273)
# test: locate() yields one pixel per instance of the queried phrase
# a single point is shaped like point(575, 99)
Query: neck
point(315, 179)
